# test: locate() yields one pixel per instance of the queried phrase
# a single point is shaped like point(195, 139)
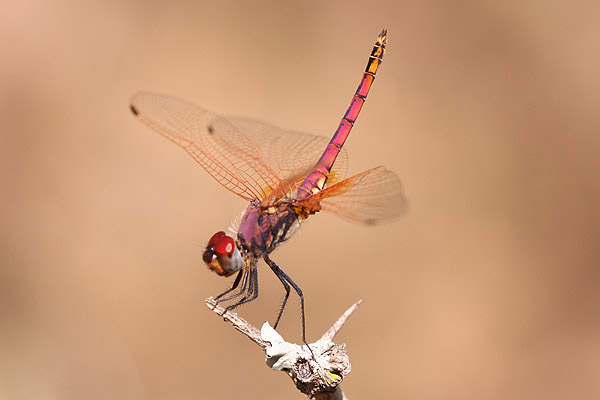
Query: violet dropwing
point(286, 176)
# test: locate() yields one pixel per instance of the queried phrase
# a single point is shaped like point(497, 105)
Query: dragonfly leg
point(252, 292)
point(282, 275)
point(233, 287)
point(274, 267)
point(239, 292)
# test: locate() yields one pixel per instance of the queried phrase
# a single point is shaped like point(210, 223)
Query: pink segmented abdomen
point(315, 181)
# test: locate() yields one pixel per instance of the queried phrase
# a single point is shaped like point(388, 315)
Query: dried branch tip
point(317, 377)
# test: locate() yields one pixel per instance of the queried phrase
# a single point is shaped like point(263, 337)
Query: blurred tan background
point(489, 111)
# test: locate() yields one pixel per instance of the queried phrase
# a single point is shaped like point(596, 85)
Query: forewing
point(371, 197)
point(291, 153)
point(230, 156)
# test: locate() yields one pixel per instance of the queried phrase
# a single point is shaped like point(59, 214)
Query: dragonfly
point(285, 176)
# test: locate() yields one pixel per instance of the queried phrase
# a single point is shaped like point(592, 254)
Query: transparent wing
point(371, 197)
point(291, 153)
point(250, 158)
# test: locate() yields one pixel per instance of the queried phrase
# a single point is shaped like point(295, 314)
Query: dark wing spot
point(134, 110)
point(211, 129)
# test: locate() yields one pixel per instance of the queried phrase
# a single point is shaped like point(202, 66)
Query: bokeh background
point(489, 111)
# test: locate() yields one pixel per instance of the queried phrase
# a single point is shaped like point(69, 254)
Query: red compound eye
point(222, 243)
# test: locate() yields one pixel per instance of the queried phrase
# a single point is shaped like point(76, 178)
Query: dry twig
point(317, 377)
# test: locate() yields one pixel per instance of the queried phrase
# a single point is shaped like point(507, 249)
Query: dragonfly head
point(222, 255)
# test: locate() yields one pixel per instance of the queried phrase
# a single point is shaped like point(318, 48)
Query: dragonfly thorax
point(262, 228)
